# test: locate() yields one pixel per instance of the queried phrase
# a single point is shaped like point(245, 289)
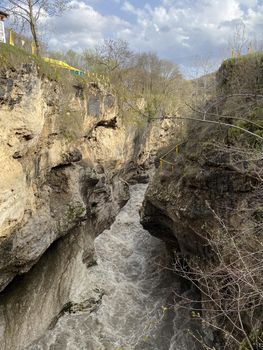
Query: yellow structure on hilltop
point(62, 64)
point(11, 38)
point(51, 61)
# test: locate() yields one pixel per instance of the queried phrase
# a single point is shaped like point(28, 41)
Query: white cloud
point(82, 27)
point(183, 29)
point(176, 29)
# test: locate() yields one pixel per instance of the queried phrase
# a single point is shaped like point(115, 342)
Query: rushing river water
point(122, 300)
point(128, 306)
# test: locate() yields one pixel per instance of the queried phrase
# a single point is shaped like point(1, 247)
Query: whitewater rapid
point(127, 304)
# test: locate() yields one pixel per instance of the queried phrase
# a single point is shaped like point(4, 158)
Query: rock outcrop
point(205, 203)
point(62, 147)
point(67, 159)
point(46, 170)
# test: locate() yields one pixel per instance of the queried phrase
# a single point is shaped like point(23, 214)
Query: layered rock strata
point(67, 159)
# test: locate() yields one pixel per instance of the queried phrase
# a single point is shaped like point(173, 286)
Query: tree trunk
point(33, 27)
point(35, 37)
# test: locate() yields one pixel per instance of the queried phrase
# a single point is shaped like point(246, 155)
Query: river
point(128, 306)
point(125, 300)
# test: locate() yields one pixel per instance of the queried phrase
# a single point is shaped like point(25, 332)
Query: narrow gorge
point(129, 233)
point(68, 161)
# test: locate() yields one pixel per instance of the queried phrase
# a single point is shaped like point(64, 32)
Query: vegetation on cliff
point(208, 192)
point(145, 85)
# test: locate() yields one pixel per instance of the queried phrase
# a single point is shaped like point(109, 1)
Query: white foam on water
point(133, 289)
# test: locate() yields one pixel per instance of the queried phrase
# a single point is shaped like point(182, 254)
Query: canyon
point(68, 159)
point(121, 234)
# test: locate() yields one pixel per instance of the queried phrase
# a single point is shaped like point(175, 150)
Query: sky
point(181, 31)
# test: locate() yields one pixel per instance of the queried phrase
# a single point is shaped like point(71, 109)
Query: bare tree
point(231, 288)
point(239, 39)
point(29, 12)
point(109, 57)
point(229, 277)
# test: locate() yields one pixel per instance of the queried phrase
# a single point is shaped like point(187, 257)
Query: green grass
point(12, 57)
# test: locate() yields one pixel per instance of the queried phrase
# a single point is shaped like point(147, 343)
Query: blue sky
point(182, 31)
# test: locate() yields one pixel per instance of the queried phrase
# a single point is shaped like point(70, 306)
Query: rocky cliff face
point(66, 159)
point(47, 171)
point(203, 180)
point(206, 205)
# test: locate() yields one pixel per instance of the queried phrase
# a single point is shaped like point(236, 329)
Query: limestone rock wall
point(59, 144)
point(206, 206)
point(67, 158)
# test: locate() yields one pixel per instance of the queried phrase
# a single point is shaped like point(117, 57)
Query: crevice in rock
point(17, 155)
point(159, 225)
point(111, 124)
point(89, 305)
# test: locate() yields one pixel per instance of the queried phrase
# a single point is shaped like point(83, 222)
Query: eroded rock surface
point(67, 159)
point(56, 144)
point(205, 203)
point(205, 182)
point(120, 294)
